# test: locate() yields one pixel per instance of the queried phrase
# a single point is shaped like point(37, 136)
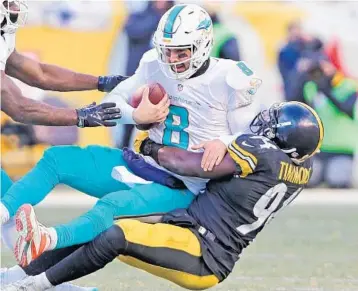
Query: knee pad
point(60, 152)
point(59, 159)
point(50, 158)
point(100, 150)
point(114, 239)
point(107, 246)
point(50, 153)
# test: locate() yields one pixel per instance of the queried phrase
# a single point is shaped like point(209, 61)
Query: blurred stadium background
point(313, 245)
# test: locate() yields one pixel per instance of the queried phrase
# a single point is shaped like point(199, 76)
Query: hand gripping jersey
point(234, 210)
point(216, 104)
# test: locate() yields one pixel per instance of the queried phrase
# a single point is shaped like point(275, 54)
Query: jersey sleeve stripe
point(241, 160)
point(248, 156)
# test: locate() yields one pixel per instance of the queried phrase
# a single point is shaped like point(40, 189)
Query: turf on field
point(306, 247)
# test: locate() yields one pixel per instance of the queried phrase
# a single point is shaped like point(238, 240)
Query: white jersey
point(7, 46)
point(216, 104)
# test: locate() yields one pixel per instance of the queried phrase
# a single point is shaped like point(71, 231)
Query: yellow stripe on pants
point(170, 237)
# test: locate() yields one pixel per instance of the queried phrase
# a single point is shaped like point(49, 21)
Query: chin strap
point(204, 67)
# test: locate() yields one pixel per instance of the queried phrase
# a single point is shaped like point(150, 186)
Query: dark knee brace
point(107, 246)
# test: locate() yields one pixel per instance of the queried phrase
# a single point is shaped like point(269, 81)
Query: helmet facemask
point(190, 30)
point(269, 124)
point(13, 14)
point(190, 63)
point(265, 123)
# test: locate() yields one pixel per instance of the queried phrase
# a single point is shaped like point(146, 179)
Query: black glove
point(108, 83)
point(98, 115)
point(150, 148)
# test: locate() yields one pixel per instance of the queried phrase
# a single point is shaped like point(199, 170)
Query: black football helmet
point(293, 126)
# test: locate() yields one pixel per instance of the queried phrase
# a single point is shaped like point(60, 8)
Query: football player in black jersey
point(197, 247)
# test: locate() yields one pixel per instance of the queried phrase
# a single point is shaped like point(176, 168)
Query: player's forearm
point(126, 109)
point(38, 113)
point(60, 79)
point(46, 76)
point(25, 110)
point(187, 163)
point(120, 96)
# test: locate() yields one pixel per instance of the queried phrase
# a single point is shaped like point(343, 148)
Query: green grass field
point(307, 247)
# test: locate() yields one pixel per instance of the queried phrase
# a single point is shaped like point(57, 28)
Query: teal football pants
point(89, 170)
point(5, 182)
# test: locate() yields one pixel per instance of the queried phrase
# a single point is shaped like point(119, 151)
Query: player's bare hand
point(147, 112)
point(214, 152)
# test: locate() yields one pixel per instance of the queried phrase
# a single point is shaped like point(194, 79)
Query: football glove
point(108, 83)
point(98, 115)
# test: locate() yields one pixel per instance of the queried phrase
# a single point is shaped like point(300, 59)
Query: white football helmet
point(184, 27)
point(13, 14)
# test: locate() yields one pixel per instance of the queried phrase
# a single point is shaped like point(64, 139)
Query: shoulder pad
point(149, 63)
point(241, 76)
point(247, 150)
point(244, 84)
point(150, 56)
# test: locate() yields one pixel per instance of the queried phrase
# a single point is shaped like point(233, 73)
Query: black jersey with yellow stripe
point(236, 209)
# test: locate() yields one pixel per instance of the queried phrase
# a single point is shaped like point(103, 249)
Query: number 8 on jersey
point(175, 124)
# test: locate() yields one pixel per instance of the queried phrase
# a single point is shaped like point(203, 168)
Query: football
point(156, 94)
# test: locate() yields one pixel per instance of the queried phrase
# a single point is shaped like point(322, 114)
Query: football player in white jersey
point(210, 99)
